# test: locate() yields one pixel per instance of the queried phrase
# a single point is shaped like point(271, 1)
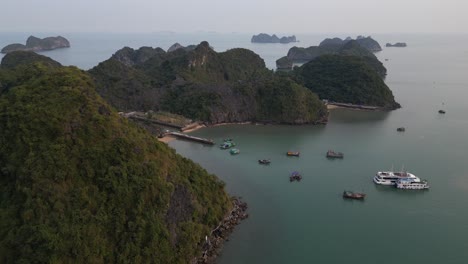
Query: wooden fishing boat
point(264, 161)
point(293, 153)
point(332, 154)
point(295, 176)
point(353, 195)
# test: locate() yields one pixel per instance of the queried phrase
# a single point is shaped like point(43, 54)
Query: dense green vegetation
point(352, 48)
point(332, 47)
point(283, 100)
point(25, 57)
point(79, 184)
point(202, 84)
point(346, 79)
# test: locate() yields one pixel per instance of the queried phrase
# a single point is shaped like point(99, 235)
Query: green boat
point(234, 151)
point(227, 145)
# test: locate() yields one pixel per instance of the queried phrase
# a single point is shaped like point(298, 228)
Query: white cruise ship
point(409, 184)
point(390, 177)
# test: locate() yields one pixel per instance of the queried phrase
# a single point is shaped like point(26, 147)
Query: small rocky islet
point(266, 38)
point(38, 44)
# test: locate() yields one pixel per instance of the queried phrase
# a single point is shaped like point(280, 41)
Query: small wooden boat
point(401, 129)
point(353, 195)
point(332, 154)
point(264, 161)
point(234, 151)
point(295, 176)
point(441, 111)
point(293, 153)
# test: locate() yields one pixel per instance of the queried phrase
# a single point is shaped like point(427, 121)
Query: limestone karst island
point(38, 44)
point(265, 38)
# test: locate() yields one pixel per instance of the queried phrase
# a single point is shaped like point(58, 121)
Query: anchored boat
point(295, 176)
point(353, 195)
point(293, 153)
point(410, 184)
point(332, 154)
point(390, 177)
point(227, 145)
point(264, 161)
point(234, 151)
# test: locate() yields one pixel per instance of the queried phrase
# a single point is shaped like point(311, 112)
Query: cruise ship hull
point(391, 178)
point(383, 182)
point(410, 185)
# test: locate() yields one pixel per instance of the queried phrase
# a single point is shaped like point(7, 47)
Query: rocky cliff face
point(265, 38)
point(37, 44)
point(177, 46)
point(231, 86)
point(284, 63)
point(131, 57)
point(369, 43)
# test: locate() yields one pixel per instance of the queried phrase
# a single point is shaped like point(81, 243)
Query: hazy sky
point(286, 16)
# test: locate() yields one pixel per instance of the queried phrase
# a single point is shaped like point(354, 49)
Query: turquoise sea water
point(309, 222)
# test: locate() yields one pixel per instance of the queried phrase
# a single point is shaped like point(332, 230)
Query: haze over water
point(309, 222)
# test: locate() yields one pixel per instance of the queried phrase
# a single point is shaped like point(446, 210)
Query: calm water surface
point(309, 222)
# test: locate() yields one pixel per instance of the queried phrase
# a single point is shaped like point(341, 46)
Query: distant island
point(361, 46)
point(398, 44)
point(366, 42)
point(265, 38)
point(37, 44)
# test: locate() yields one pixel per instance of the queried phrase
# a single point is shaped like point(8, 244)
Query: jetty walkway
point(353, 106)
point(139, 116)
point(191, 138)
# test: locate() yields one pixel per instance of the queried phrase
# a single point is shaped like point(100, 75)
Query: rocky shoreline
point(214, 242)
